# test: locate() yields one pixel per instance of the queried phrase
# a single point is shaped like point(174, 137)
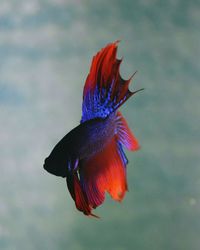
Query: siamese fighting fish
point(91, 156)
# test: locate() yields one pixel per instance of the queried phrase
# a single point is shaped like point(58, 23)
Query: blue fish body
point(80, 143)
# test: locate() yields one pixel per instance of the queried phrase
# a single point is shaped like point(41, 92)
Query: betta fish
point(91, 156)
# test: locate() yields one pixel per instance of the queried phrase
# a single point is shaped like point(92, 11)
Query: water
point(46, 48)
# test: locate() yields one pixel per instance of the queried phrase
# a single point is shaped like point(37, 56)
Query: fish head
point(57, 163)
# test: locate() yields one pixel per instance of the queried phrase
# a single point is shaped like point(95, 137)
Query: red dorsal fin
point(104, 67)
point(105, 90)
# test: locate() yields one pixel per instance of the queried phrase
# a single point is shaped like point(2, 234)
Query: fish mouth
point(54, 168)
point(46, 166)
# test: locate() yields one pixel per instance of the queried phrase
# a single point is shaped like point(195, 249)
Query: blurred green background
point(46, 48)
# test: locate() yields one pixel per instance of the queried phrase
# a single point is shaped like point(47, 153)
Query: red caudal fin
point(125, 135)
point(104, 172)
point(105, 90)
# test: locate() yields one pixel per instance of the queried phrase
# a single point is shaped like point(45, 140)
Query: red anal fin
point(115, 173)
point(92, 182)
point(125, 135)
point(104, 172)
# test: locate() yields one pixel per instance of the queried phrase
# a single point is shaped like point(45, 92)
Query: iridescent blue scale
point(99, 105)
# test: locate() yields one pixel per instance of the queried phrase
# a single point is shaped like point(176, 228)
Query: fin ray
point(105, 90)
point(125, 135)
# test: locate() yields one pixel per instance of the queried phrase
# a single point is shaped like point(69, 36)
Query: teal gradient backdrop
point(46, 48)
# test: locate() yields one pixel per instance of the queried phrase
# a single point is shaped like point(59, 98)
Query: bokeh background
point(46, 48)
